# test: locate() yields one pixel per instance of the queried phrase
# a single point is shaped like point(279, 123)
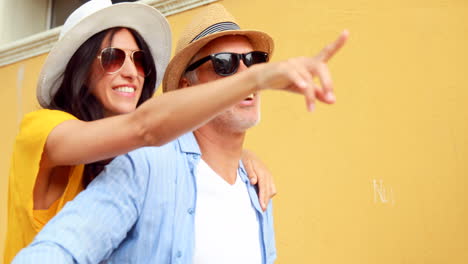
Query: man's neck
point(221, 150)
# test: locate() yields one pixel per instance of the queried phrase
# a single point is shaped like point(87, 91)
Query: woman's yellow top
point(24, 222)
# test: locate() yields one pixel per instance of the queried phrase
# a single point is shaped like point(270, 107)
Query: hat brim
point(145, 20)
point(260, 41)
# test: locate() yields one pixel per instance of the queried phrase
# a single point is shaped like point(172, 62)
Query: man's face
point(244, 114)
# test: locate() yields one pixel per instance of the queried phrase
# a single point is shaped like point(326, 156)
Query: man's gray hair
point(191, 77)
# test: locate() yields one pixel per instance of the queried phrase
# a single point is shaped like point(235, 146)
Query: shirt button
point(179, 254)
point(190, 211)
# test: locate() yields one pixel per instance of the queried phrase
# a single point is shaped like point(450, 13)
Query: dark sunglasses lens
point(140, 63)
point(255, 57)
point(112, 59)
point(225, 63)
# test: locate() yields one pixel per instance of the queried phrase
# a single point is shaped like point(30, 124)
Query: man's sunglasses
point(227, 63)
point(112, 60)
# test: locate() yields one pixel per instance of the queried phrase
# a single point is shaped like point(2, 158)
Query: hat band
point(223, 26)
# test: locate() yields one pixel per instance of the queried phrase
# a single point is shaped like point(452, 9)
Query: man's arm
point(45, 252)
point(91, 226)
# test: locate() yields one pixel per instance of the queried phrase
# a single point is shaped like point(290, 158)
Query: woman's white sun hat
point(94, 17)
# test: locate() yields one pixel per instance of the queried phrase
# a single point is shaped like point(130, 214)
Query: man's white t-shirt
point(226, 223)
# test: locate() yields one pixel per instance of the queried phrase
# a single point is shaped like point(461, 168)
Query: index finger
point(333, 47)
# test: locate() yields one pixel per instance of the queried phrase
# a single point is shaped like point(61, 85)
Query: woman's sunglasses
point(112, 60)
point(227, 63)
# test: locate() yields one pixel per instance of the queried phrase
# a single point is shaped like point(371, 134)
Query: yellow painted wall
point(381, 176)
point(17, 97)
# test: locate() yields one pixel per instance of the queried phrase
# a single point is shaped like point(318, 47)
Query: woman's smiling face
point(117, 92)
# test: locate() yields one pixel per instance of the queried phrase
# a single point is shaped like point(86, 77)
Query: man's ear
point(184, 82)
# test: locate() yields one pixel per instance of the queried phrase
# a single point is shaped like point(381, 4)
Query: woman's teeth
point(125, 89)
point(250, 97)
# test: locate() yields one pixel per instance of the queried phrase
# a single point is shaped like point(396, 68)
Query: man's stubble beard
point(230, 121)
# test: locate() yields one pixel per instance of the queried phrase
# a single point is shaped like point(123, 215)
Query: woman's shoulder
point(47, 114)
point(42, 122)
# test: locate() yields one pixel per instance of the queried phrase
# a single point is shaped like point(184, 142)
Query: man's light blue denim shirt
point(140, 209)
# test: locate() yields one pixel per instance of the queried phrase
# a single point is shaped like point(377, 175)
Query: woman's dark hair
point(74, 96)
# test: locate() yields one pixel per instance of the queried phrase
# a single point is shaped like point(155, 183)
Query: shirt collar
point(188, 144)
point(243, 172)
point(253, 192)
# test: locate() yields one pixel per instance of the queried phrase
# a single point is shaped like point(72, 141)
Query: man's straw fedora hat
point(94, 17)
point(212, 22)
